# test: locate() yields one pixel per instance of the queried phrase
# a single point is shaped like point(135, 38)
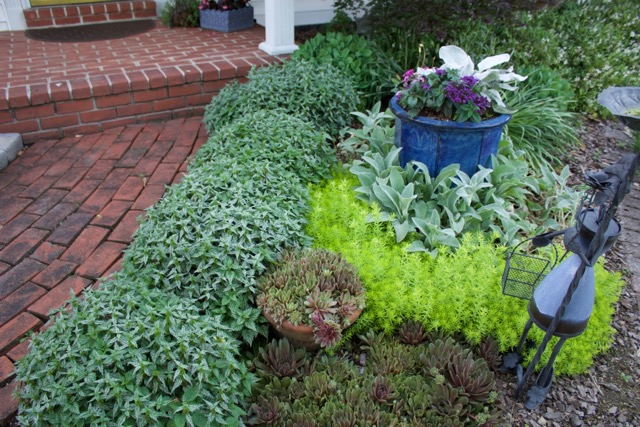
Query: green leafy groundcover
point(457, 292)
point(159, 344)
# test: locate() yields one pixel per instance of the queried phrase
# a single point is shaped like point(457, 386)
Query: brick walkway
point(68, 209)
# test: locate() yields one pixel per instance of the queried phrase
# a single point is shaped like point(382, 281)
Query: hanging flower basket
point(227, 21)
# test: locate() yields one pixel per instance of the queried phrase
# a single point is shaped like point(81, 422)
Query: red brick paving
point(8, 403)
point(6, 370)
point(12, 331)
point(66, 220)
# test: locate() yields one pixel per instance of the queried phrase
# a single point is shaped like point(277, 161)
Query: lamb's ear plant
point(374, 133)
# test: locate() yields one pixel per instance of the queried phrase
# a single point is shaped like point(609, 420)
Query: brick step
point(69, 15)
point(79, 107)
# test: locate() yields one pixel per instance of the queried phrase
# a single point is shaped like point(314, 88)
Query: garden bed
point(177, 338)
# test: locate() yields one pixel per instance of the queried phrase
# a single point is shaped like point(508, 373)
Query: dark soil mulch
point(93, 32)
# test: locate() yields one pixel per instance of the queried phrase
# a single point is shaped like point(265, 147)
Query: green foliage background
point(593, 44)
point(457, 292)
point(357, 58)
point(180, 13)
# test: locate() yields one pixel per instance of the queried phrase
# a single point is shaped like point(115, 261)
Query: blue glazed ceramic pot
point(438, 144)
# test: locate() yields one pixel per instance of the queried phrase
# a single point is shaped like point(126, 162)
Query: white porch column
point(279, 25)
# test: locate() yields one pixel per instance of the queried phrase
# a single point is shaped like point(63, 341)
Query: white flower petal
point(492, 61)
point(425, 71)
point(456, 59)
point(487, 76)
point(509, 77)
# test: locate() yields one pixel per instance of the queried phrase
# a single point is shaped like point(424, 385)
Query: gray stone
point(10, 145)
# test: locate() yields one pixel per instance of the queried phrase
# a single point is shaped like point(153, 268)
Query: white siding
point(11, 15)
point(4, 20)
point(308, 12)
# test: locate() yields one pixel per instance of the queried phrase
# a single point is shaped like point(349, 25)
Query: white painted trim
point(159, 6)
point(279, 26)
point(4, 19)
point(273, 49)
point(15, 15)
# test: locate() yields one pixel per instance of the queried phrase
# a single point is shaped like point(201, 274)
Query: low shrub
point(320, 94)
point(457, 292)
point(159, 344)
point(355, 56)
point(438, 382)
point(253, 173)
point(133, 356)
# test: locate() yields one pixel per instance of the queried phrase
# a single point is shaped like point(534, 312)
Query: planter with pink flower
point(454, 113)
point(225, 15)
point(311, 296)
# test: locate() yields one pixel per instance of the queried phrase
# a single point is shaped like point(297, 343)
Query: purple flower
point(440, 72)
point(408, 74)
point(482, 104)
point(461, 93)
point(469, 81)
point(407, 77)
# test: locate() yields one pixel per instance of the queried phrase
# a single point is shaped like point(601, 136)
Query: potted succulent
point(225, 15)
point(311, 296)
point(454, 113)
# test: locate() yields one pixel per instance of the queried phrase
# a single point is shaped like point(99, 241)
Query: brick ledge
point(91, 13)
point(82, 106)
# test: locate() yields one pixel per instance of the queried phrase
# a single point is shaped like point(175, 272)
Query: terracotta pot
point(301, 335)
